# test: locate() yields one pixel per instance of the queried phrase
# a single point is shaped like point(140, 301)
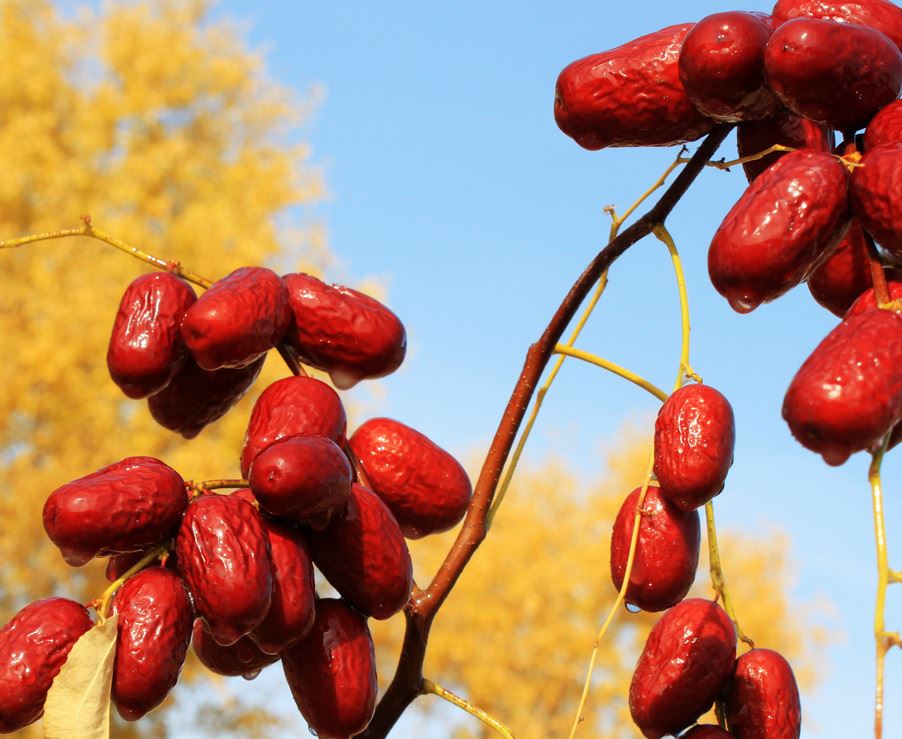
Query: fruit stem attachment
point(878, 276)
point(428, 686)
point(611, 367)
point(883, 640)
point(718, 581)
point(104, 600)
point(721, 164)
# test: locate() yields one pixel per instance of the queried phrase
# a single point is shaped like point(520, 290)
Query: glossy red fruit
point(721, 66)
point(706, 731)
point(146, 348)
point(425, 488)
point(687, 661)
point(242, 316)
point(293, 406)
point(242, 658)
point(815, 67)
point(848, 393)
point(877, 195)
point(666, 555)
point(127, 506)
point(868, 300)
point(694, 438)
point(885, 128)
point(786, 221)
point(629, 96)
point(155, 617)
point(882, 15)
point(223, 556)
point(348, 334)
point(782, 128)
point(195, 398)
point(332, 672)
point(304, 479)
point(34, 645)
point(363, 555)
point(763, 700)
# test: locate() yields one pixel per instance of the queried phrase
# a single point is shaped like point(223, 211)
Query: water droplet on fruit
point(251, 675)
point(743, 303)
point(632, 607)
point(311, 730)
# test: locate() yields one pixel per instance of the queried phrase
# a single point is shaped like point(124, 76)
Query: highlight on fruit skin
point(763, 697)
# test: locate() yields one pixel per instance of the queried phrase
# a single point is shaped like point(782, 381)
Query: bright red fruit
point(687, 661)
point(885, 128)
point(348, 334)
point(242, 316)
point(424, 487)
point(629, 96)
point(666, 551)
point(242, 658)
point(877, 195)
point(763, 699)
point(868, 300)
point(34, 645)
point(882, 15)
point(155, 617)
point(332, 672)
point(694, 439)
point(127, 506)
point(753, 137)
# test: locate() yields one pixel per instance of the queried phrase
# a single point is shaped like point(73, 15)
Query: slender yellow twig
point(883, 640)
point(219, 484)
point(429, 686)
point(617, 221)
point(721, 164)
point(611, 367)
point(718, 582)
point(107, 596)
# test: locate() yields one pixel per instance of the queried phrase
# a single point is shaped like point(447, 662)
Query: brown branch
point(420, 612)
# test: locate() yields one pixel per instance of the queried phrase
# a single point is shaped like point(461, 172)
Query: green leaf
point(78, 704)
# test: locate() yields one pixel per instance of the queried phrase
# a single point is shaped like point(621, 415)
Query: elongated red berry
point(881, 15)
point(763, 698)
point(877, 195)
point(885, 128)
point(243, 658)
point(784, 128)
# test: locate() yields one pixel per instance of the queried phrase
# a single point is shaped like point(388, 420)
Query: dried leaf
point(78, 704)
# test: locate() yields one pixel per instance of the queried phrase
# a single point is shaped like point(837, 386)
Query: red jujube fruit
point(146, 348)
point(753, 137)
point(868, 299)
point(763, 698)
point(882, 15)
point(127, 506)
point(877, 195)
point(155, 617)
point(243, 658)
point(332, 672)
point(666, 555)
point(885, 128)
point(426, 489)
point(629, 96)
point(348, 334)
point(34, 645)
point(239, 318)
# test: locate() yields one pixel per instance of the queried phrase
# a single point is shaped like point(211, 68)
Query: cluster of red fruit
point(237, 574)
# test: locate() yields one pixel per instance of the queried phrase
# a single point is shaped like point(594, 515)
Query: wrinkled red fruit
point(332, 672)
point(127, 506)
point(290, 614)
point(242, 658)
point(195, 398)
point(694, 438)
point(753, 137)
point(34, 645)
point(146, 347)
point(666, 551)
point(786, 221)
point(348, 334)
point(223, 556)
point(304, 479)
point(706, 731)
point(629, 96)
point(721, 66)
point(815, 67)
point(763, 700)
point(242, 316)
point(877, 195)
point(885, 128)
point(848, 393)
point(424, 487)
point(153, 632)
point(687, 661)
point(363, 555)
point(882, 15)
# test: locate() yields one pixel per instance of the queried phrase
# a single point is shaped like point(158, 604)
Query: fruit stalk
point(456, 700)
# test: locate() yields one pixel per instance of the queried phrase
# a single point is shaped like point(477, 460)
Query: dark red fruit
point(694, 438)
point(706, 731)
point(839, 74)
point(783, 128)
point(721, 66)
point(127, 506)
point(348, 334)
point(363, 555)
point(146, 347)
point(877, 195)
point(293, 406)
point(687, 661)
point(153, 632)
point(763, 700)
point(885, 128)
point(34, 645)
point(787, 220)
point(332, 672)
point(223, 556)
point(666, 551)
point(424, 487)
point(882, 15)
point(868, 300)
point(242, 316)
point(848, 393)
point(629, 96)
point(195, 398)
point(304, 479)
point(242, 658)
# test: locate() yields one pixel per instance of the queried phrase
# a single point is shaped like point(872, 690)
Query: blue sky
point(450, 183)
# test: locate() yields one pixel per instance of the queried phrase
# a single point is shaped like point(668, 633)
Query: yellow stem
point(882, 643)
point(611, 367)
point(718, 581)
point(428, 686)
point(685, 369)
point(107, 596)
point(617, 221)
point(721, 164)
point(217, 484)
